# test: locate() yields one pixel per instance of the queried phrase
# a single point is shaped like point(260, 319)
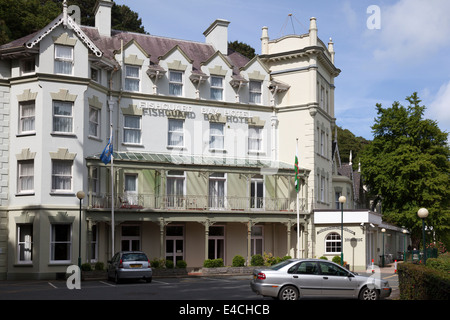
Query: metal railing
point(195, 202)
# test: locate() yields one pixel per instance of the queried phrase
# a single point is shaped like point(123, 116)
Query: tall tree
point(407, 166)
point(19, 18)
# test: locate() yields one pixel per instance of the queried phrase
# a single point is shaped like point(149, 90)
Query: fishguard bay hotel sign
point(165, 109)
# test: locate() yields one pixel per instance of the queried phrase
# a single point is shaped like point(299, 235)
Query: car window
point(307, 268)
point(331, 269)
point(280, 265)
point(134, 257)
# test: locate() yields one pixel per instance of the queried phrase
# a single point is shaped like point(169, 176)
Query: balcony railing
point(195, 202)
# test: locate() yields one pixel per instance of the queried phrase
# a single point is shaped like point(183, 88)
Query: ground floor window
point(216, 242)
point(94, 244)
point(24, 243)
point(131, 238)
point(175, 243)
point(333, 243)
point(61, 243)
point(257, 240)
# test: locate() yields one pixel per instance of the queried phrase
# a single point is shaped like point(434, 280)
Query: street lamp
point(382, 258)
point(342, 200)
point(423, 213)
point(80, 196)
point(404, 245)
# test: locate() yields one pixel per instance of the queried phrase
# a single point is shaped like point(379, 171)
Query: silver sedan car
point(129, 265)
point(294, 279)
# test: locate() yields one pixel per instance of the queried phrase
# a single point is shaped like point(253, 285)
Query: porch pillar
point(250, 224)
point(207, 223)
point(162, 225)
point(288, 225)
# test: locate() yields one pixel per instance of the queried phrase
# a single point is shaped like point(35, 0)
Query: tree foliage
point(242, 48)
point(347, 142)
point(407, 166)
point(19, 18)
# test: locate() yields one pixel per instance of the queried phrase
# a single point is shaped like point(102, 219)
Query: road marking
point(157, 281)
point(109, 284)
point(52, 285)
point(390, 276)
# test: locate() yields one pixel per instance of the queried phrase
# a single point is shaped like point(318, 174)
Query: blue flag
point(107, 152)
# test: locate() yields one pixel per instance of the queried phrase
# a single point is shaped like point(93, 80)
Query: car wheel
point(288, 293)
point(369, 294)
point(148, 280)
point(117, 279)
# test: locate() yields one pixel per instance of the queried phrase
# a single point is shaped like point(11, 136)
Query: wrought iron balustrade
point(195, 202)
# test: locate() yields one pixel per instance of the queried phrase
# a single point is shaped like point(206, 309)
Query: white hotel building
point(204, 144)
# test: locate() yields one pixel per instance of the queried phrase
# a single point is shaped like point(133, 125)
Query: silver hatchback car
point(129, 265)
point(294, 279)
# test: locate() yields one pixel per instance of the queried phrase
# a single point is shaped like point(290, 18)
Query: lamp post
point(404, 244)
point(80, 196)
point(342, 200)
point(423, 213)
point(382, 257)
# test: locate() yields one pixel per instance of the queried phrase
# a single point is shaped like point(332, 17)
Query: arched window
point(333, 243)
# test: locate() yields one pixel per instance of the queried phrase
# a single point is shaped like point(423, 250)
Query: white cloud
point(438, 108)
point(413, 29)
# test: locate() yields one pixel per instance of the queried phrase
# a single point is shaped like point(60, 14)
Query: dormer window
point(176, 83)
point(132, 78)
point(63, 59)
point(216, 88)
point(255, 92)
point(27, 66)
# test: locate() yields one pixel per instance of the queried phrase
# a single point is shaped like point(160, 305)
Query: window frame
point(176, 84)
point(23, 244)
point(23, 118)
point(64, 60)
point(132, 129)
point(129, 79)
point(255, 94)
point(216, 137)
point(21, 175)
point(54, 242)
point(214, 89)
point(334, 239)
point(170, 134)
point(69, 163)
point(62, 116)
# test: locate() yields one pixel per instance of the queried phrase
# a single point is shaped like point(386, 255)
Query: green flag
point(297, 178)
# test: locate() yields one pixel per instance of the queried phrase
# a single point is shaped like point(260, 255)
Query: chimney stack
point(312, 32)
point(217, 35)
point(265, 41)
point(103, 17)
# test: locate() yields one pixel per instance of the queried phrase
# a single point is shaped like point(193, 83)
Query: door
point(306, 276)
point(257, 193)
point(337, 282)
point(175, 243)
point(130, 190)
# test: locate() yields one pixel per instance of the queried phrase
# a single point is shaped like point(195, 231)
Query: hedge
point(418, 282)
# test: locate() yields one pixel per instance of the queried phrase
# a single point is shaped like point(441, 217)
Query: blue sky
point(409, 52)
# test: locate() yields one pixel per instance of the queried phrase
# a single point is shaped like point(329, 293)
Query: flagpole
point(112, 199)
point(298, 212)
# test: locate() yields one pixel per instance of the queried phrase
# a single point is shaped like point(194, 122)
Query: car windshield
point(280, 265)
point(134, 257)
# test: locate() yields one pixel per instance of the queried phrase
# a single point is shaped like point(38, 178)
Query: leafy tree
point(407, 166)
point(242, 48)
point(347, 142)
point(19, 18)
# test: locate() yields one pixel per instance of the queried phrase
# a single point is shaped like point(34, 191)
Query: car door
point(337, 282)
point(306, 276)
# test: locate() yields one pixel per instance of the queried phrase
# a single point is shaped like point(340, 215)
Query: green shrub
point(336, 259)
point(238, 261)
point(286, 258)
point(325, 258)
point(181, 264)
point(155, 263)
point(257, 260)
point(99, 266)
point(169, 264)
point(417, 282)
point(213, 263)
point(86, 267)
